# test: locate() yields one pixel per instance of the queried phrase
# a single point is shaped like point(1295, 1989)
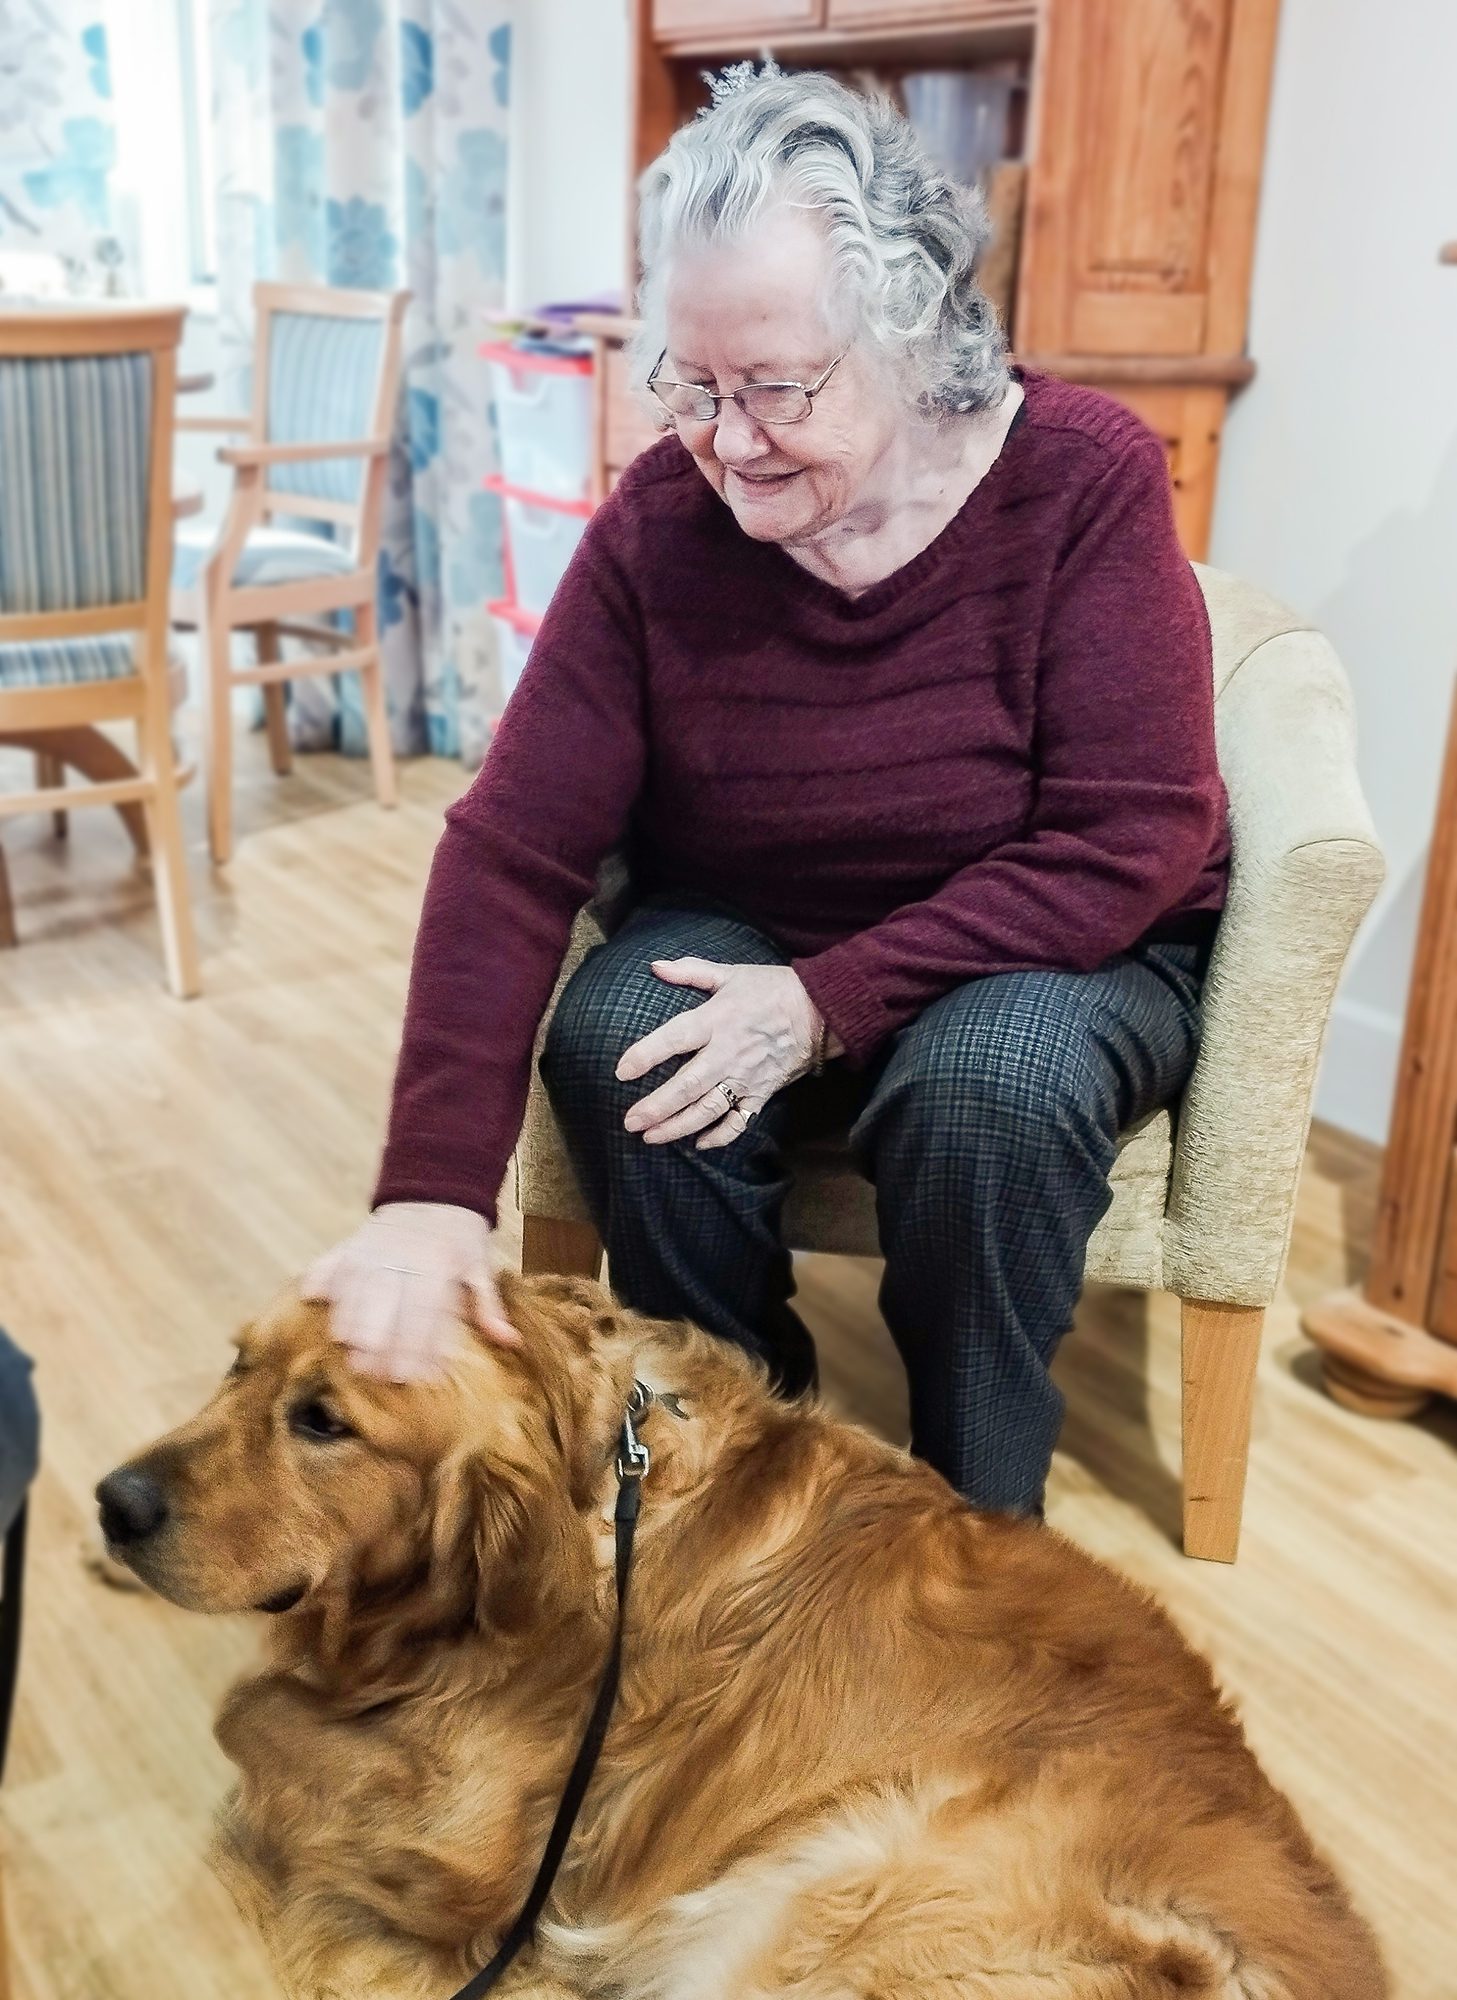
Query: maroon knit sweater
point(999, 758)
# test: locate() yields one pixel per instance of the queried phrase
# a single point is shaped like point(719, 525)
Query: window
point(200, 182)
point(164, 187)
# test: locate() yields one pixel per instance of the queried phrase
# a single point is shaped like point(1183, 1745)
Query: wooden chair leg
point(50, 776)
point(216, 638)
point(82, 746)
point(1221, 1350)
point(169, 855)
point(566, 1249)
point(376, 715)
point(8, 938)
point(275, 704)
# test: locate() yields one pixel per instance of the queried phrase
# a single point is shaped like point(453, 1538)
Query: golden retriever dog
point(869, 1743)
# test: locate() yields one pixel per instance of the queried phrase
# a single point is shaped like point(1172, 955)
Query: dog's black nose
point(133, 1506)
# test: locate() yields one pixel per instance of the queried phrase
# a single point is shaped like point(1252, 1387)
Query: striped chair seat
point(67, 662)
point(270, 555)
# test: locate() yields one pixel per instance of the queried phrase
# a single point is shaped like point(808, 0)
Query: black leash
point(632, 1468)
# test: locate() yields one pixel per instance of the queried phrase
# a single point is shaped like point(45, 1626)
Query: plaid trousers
point(988, 1127)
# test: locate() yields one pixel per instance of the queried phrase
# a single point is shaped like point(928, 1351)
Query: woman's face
point(750, 312)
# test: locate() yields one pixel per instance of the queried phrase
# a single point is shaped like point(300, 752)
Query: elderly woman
point(886, 668)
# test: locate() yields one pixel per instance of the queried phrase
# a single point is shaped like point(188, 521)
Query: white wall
point(567, 235)
point(1338, 486)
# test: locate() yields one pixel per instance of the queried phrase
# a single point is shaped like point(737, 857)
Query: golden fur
point(869, 1744)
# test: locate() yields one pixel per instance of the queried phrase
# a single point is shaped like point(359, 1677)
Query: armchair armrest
point(1306, 866)
point(248, 455)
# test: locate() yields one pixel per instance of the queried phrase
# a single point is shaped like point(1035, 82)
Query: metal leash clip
point(634, 1460)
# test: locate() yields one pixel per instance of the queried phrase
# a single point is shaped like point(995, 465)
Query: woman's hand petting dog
point(401, 1283)
point(758, 1031)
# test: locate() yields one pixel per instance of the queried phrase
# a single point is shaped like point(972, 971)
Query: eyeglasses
point(761, 402)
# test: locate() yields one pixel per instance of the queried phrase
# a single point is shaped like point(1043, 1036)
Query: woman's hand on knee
point(399, 1287)
point(757, 1032)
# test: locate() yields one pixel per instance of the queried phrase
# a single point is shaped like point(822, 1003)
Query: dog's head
point(303, 1482)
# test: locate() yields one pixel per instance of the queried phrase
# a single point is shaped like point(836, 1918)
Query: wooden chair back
point(87, 402)
point(327, 367)
point(87, 416)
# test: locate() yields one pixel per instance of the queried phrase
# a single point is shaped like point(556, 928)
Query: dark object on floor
point(19, 1453)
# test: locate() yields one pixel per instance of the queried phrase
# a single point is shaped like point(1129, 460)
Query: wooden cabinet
point(1188, 419)
point(734, 17)
point(1150, 121)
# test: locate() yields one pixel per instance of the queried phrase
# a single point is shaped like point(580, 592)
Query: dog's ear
point(512, 1533)
point(509, 1547)
point(573, 1333)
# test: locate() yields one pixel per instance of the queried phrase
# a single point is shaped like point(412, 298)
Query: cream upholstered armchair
point(1202, 1203)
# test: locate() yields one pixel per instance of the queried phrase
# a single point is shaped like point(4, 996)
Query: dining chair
point(300, 540)
point(1204, 1192)
point(86, 521)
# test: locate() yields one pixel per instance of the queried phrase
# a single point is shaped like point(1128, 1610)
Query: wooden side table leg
point(1369, 1395)
point(1374, 1362)
point(1388, 1347)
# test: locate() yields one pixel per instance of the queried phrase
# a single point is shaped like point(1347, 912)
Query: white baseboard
point(1358, 1071)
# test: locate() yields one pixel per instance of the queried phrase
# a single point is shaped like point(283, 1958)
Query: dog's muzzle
point(133, 1507)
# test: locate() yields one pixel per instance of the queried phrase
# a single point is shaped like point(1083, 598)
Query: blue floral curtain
point(57, 138)
point(364, 142)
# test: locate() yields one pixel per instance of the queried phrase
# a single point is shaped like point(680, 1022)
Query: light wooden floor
point(163, 1166)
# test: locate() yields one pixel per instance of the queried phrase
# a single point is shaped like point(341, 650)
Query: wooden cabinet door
point(732, 18)
point(894, 14)
point(1149, 133)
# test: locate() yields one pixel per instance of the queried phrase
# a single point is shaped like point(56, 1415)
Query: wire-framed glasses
point(761, 402)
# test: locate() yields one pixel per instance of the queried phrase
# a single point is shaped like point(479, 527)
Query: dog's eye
point(316, 1421)
point(239, 1367)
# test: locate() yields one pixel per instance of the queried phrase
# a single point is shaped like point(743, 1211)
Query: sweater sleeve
point(517, 860)
point(1128, 799)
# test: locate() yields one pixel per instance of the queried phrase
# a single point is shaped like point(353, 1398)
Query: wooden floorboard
point(163, 1166)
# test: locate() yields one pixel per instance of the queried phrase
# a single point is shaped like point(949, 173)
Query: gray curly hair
point(903, 239)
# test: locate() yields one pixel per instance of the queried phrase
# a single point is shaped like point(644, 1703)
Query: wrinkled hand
point(401, 1283)
point(756, 1033)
